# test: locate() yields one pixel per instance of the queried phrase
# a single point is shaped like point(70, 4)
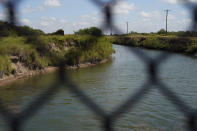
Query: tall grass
point(174, 44)
point(5, 65)
point(27, 53)
point(38, 52)
point(92, 51)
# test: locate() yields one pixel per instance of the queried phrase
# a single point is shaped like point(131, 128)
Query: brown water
point(109, 85)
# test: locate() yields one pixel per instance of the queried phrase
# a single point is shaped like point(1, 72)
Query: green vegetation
point(58, 32)
point(181, 41)
point(7, 29)
point(43, 51)
point(5, 65)
point(36, 50)
point(187, 45)
point(93, 51)
point(94, 31)
point(162, 32)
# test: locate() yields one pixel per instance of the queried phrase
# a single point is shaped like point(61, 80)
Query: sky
point(71, 15)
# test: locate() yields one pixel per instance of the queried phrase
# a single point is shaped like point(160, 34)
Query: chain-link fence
point(16, 121)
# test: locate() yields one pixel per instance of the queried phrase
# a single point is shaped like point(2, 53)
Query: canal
point(109, 85)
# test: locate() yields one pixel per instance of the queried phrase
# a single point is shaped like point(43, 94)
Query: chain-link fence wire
point(16, 121)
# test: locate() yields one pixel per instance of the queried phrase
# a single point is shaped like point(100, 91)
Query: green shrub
point(7, 29)
point(94, 31)
point(13, 46)
point(5, 65)
point(35, 51)
point(151, 42)
point(58, 32)
point(192, 48)
point(162, 31)
point(97, 50)
point(40, 43)
point(28, 31)
point(27, 52)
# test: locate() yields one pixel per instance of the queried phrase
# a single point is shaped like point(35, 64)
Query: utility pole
point(166, 20)
point(111, 30)
point(127, 28)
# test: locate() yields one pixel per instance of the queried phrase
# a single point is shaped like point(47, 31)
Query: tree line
point(7, 29)
point(175, 33)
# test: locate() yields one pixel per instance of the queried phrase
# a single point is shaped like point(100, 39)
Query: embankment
point(26, 73)
point(26, 56)
point(185, 45)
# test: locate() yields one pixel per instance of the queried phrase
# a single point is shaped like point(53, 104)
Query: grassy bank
point(38, 52)
point(186, 45)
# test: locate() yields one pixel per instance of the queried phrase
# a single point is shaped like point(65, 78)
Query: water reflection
point(109, 85)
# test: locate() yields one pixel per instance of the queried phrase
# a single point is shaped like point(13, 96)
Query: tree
point(133, 32)
point(58, 32)
point(162, 31)
point(7, 29)
point(94, 31)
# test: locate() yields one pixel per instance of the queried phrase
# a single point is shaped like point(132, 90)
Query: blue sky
point(71, 15)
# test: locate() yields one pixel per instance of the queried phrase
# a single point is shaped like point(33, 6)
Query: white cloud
point(1, 16)
point(87, 20)
point(151, 14)
point(184, 13)
point(53, 19)
point(172, 1)
point(185, 21)
point(155, 20)
point(44, 23)
point(63, 21)
point(86, 16)
point(171, 17)
point(51, 24)
point(48, 21)
point(146, 21)
point(52, 3)
point(94, 18)
point(25, 21)
point(123, 7)
point(29, 9)
point(145, 14)
point(178, 1)
point(41, 8)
